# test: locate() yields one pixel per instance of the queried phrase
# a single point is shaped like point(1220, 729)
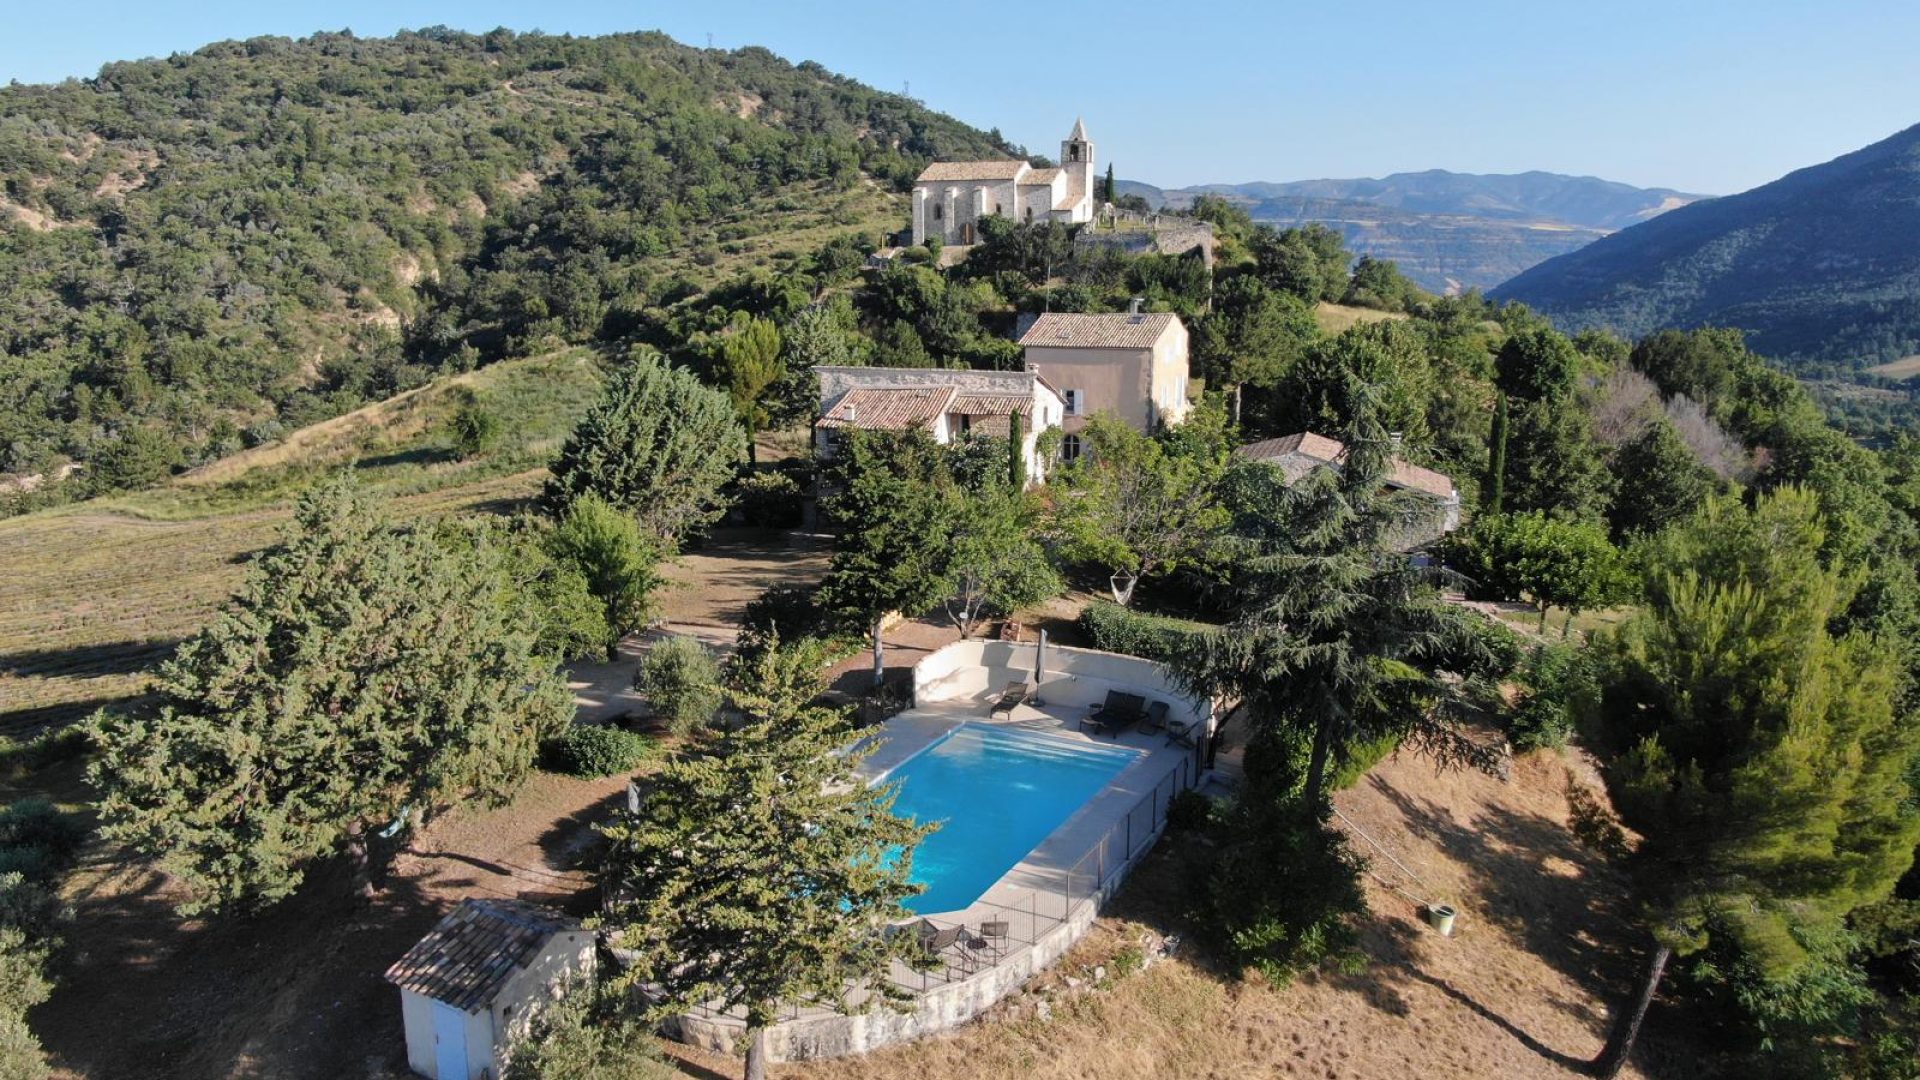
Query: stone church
point(951, 197)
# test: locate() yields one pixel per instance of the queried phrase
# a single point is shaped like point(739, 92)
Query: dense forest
point(202, 252)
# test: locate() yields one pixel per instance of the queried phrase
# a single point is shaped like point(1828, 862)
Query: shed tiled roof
point(890, 408)
point(472, 953)
point(1040, 177)
point(1060, 330)
point(972, 170)
point(978, 404)
point(1298, 453)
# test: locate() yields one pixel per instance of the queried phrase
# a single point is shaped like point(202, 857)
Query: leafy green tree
point(750, 362)
point(1659, 481)
point(995, 562)
point(474, 428)
point(619, 562)
point(764, 873)
point(362, 676)
point(1378, 283)
point(1311, 262)
point(893, 511)
point(140, 457)
point(23, 985)
point(1254, 334)
point(1336, 641)
point(682, 682)
point(1385, 360)
point(1551, 561)
point(1133, 504)
point(658, 445)
point(1759, 754)
point(586, 1036)
point(898, 345)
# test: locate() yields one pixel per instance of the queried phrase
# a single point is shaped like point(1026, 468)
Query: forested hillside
point(202, 252)
point(1819, 267)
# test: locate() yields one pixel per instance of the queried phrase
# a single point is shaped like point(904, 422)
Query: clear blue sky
point(1712, 96)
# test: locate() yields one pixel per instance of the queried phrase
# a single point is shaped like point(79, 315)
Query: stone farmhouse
point(1132, 365)
point(951, 197)
point(1298, 454)
point(947, 404)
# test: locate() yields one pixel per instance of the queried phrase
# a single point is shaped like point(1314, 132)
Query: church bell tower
point(1076, 156)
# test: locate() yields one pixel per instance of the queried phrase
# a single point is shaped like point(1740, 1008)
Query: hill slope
point(199, 252)
point(1448, 231)
point(1820, 266)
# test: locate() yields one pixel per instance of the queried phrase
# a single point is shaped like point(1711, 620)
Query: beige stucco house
point(947, 404)
point(1298, 454)
point(479, 977)
point(1132, 365)
point(951, 197)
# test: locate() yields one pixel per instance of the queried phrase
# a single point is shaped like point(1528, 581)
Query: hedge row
point(1156, 637)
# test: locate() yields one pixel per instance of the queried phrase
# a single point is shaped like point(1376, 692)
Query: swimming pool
point(997, 795)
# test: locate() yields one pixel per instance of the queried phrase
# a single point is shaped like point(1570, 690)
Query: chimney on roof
point(1396, 438)
point(853, 412)
point(1134, 305)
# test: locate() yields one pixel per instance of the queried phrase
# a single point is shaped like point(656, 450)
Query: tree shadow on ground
point(571, 843)
point(295, 990)
point(88, 661)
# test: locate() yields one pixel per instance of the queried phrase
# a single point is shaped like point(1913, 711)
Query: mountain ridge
point(1819, 266)
point(1448, 231)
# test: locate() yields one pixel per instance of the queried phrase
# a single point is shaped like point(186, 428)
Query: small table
point(1182, 733)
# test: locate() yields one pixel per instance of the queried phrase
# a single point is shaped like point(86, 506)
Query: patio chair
point(937, 941)
point(1156, 718)
point(1116, 714)
point(1012, 696)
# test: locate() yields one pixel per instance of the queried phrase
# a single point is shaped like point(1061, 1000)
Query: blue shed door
point(449, 1042)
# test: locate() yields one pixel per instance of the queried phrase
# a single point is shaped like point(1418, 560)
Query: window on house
point(1070, 448)
point(1029, 215)
point(938, 211)
point(1074, 400)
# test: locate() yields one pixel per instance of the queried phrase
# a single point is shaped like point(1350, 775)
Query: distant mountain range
point(1448, 231)
point(1819, 266)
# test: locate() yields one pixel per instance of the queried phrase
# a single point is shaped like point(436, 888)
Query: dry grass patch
point(1339, 318)
point(1904, 368)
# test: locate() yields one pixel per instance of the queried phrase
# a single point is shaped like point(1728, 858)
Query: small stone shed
point(475, 981)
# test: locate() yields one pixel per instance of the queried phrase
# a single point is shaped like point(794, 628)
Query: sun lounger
point(1011, 698)
point(1118, 713)
point(1156, 718)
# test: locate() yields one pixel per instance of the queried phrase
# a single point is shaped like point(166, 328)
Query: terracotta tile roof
point(980, 404)
point(471, 954)
point(890, 408)
point(1072, 331)
point(972, 170)
point(1040, 177)
point(1298, 453)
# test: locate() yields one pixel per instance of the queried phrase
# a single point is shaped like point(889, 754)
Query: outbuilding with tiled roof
point(479, 977)
point(1298, 454)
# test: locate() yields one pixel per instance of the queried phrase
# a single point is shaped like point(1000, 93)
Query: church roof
point(1040, 177)
point(1300, 453)
point(1079, 131)
point(972, 170)
point(1064, 330)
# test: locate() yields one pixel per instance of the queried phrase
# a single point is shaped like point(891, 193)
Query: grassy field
point(1904, 368)
point(92, 595)
point(1338, 318)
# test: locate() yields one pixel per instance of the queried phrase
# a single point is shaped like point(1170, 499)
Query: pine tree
point(362, 676)
point(658, 445)
point(750, 360)
point(764, 873)
point(1758, 753)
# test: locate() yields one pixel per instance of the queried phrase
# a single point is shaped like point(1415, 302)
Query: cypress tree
point(1016, 456)
point(1111, 195)
point(1497, 460)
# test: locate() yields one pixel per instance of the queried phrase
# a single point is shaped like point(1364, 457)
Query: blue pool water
point(997, 794)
